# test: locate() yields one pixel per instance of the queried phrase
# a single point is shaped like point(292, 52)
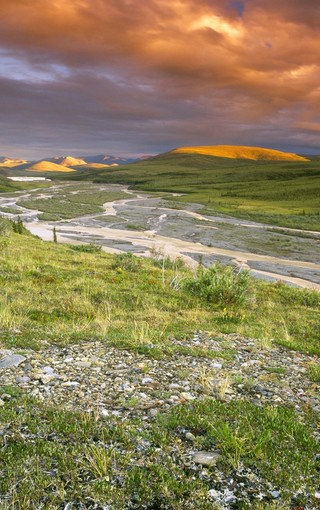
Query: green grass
point(10, 210)
point(6, 185)
point(251, 436)
point(279, 193)
point(67, 205)
point(314, 372)
point(50, 456)
point(65, 295)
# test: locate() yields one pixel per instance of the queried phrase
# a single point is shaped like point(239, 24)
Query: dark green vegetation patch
point(278, 193)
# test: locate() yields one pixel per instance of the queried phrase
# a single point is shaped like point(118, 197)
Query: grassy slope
point(6, 184)
point(64, 295)
point(240, 152)
point(280, 193)
point(51, 456)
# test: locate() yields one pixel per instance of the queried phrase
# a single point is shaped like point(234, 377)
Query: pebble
point(48, 370)
point(187, 396)
point(147, 380)
point(174, 386)
point(96, 376)
point(47, 378)
point(206, 458)
point(83, 364)
point(23, 379)
point(190, 437)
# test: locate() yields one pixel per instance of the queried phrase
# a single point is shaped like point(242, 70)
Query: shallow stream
point(144, 224)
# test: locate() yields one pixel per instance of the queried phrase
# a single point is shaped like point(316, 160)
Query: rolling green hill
point(240, 152)
point(283, 193)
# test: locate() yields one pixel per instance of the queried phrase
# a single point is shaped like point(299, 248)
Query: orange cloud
point(255, 59)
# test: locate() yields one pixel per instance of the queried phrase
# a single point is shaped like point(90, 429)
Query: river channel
point(145, 224)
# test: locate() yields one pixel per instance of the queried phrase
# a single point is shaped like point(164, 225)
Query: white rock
point(147, 380)
point(174, 386)
point(187, 396)
point(48, 370)
point(83, 364)
point(47, 378)
point(206, 458)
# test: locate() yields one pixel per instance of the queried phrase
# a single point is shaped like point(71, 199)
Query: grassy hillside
point(280, 193)
point(58, 292)
point(6, 184)
point(240, 152)
point(121, 329)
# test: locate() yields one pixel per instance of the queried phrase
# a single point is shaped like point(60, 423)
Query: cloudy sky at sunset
point(135, 77)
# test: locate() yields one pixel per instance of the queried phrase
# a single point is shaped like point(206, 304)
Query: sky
point(136, 77)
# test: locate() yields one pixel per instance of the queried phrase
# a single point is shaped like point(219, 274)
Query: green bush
point(219, 284)
point(87, 248)
point(126, 262)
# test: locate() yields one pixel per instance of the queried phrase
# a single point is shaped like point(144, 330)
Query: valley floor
point(130, 383)
point(141, 223)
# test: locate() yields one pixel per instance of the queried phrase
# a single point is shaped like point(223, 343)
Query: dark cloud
point(146, 76)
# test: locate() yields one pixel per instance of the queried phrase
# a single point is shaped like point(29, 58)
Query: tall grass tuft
point(219, 284)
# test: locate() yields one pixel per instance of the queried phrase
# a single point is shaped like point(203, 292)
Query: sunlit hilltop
point(240, 152)
point(48, 166)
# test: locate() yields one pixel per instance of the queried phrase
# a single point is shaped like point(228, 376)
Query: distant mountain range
point(105, 161)
point(66, 163)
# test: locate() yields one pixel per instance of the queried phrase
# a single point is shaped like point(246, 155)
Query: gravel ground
point(94, 376)
point(124, 384)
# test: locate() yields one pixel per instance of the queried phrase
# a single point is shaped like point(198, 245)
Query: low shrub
point(126, 262)
point(87, 248)
point(219, 284)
